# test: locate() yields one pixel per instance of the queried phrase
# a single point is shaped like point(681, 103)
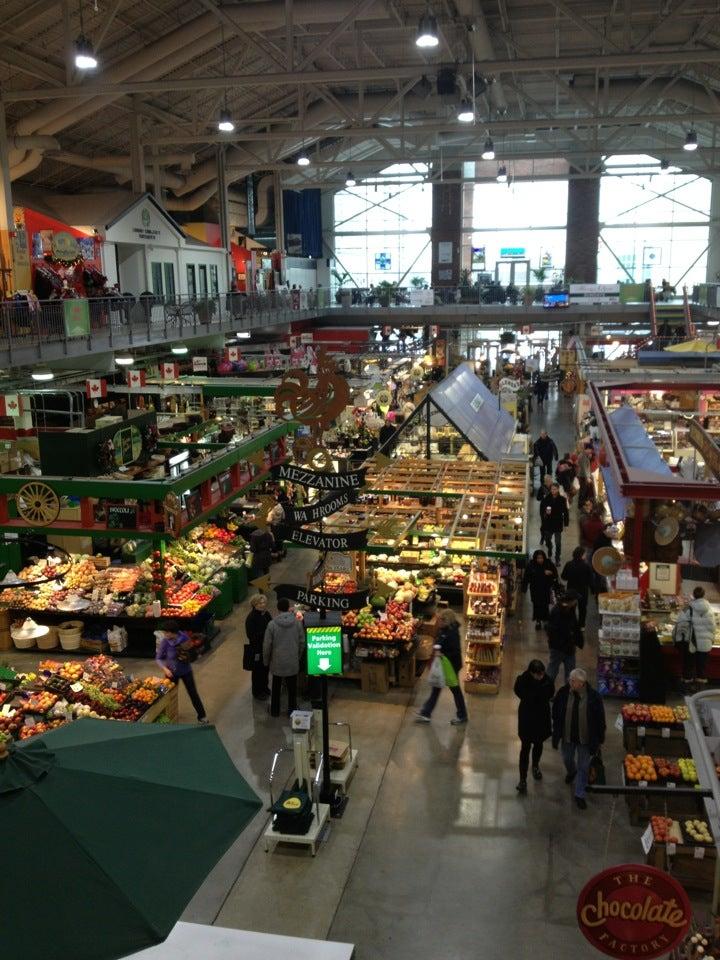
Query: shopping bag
point(596, 774)
point(451, 678)
point(248, 657)
point(436, 674)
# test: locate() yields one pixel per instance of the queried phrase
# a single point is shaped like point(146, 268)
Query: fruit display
point(697, 831)
point(97, 687)
point(681, 714)
point(688, 770)
point(663, 715)
point(408, 585)
point(665, 830)
point(668, 770)
point(338, 583)
point(393, 625)
point(640, 768)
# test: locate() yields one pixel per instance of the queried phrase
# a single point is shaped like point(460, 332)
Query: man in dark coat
point(540, 577)
point(544, 447)
point(564, 636)
point(578, 722)
point(579, 577)
point(554, 517)
point(535, 691)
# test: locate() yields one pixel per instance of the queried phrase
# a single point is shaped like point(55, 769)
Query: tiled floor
point(436, 856)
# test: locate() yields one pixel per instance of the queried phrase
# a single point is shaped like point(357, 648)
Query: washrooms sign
point(324, 651)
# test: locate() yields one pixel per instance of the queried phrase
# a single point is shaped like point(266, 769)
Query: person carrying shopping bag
point(444, 669)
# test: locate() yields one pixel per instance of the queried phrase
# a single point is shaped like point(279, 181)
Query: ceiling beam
point(582, 24)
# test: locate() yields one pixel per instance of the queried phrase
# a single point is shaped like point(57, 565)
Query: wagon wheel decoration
point(38, 503)
point(307, 454)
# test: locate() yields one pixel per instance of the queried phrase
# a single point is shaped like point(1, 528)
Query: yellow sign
point(292, 803)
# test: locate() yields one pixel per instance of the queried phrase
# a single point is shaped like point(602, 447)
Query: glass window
point(191, 286)
point(202, 280)
point(156, 272)
point(214, 288)
point(169, 275)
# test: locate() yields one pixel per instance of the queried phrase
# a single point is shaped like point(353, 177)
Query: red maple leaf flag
point(170, 371)
point(96, 389)
point(11, 405)
point(136, 379)
point(233, 354)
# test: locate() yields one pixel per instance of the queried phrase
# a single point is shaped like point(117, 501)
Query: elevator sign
point(324, 651)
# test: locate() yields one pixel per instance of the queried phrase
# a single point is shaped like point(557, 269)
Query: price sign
point(641, 731)
point(699, 853)
point(671, 849)
point(647, 839)
point(619, 722)
point(665, 732)
point(324, 651)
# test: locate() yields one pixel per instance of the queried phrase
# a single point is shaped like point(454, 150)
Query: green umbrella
point(108, 829)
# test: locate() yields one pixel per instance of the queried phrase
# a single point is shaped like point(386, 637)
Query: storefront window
point(653, 225)
point(156, 270)
point(169, 272)
point(190, 274)
point(214, 280)
point(202, 280)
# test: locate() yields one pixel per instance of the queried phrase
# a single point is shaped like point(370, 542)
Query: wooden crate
point(654, 743)
point(693, 872)
point(484, 689)
point(678, 807)
point(406, 671)
point(374, 677)
point(167, 704)
point(5, 639)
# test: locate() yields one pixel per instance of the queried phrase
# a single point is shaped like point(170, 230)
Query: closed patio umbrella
point(108, 829)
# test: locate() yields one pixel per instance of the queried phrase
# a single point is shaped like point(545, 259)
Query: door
point(169, 277)
point(203, 284)
point(156, 273)
point(191, 285)
point(516, 272)
point(132, 268)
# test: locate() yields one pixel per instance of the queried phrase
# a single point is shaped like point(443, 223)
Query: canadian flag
point(233, 354)
point(136, 379)
point(168, 371)
point(11, 405)
point(96, 389)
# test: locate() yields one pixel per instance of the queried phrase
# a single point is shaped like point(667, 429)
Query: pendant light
point(124, 360)
point(303, 160)
point(691, 140)
point(350, 180)
point(85, 58)
point(179, 349)
point(225, 121)
point(466, 111)
point(488, 150)
point(502, 174)
point(427, 35)
point(42, 374)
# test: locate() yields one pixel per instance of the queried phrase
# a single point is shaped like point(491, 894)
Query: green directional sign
point(324, 651)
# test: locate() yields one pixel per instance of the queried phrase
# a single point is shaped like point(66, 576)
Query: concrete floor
point(437, 856)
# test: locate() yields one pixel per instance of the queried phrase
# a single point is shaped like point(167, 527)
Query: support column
point(446, 232)
point(279, 212)
point(6, 212)
point(713, 257)
point(137, 163)
point(224, 212)
point(157, 174)
point(583, 230)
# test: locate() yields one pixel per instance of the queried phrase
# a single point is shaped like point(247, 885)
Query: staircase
point(670, 320)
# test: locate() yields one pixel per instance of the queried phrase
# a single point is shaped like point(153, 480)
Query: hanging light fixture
point(225, 122)
point(124, 360)
point(42, 374)
point(85, 58)
point(179, 349)
point(466, 111)
point(664, 164)
point(488, 150)
point(427, 35)
point(350, 180)
point(303, 160)
point(502, 174)
point(691, 140)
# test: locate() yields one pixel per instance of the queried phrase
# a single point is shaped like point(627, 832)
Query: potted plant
point(528, 296)
point(417, 283)
point(506, 338)
point(512, 294)
point(341, 296)
point(466, 292)
point(385, 292)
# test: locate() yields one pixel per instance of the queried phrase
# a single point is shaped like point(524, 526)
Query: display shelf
point(484, 645)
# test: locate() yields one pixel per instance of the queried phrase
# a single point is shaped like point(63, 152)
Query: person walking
point(261, 543)
point(540, 390)
point(554, 517)
point(544, 447)
point(282, 648)
point(564, 637)
point(579, 577)
point(448, 645)
point(256, 623)
point(578, 726)
point(540, 577)
point(701, 620)
point(173, 657)
point(535, 690)
point(565, 475)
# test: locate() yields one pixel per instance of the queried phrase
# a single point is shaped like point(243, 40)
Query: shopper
point(565, 475)
point(541, 391)
point(256, 623)
point(578, 576)
point(698, 614)
point(541, 578)
point(544, 447)
point(447, 645)
point(173, 656)
point(591, 526)
point(584, 473)
point(282, 649)
point(564, 636)
point(554, 517)
point(262, 543)
point(578, 724)
point(535, 690)
point(278, 525)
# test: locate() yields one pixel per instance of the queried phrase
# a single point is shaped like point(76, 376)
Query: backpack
point(683, 631)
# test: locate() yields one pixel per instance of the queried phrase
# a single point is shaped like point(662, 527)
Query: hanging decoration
point(11, 405)
point(136, 379)
point(96, 389)
point(169, 371)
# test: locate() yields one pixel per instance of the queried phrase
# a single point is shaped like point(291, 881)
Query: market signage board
point(328, 541)
point(633, 910)
point(321, 481)
point(76, 315)
point(322, 601)
point(322, 508)
point(705, 445)
point(324, 651)
point(121, 516)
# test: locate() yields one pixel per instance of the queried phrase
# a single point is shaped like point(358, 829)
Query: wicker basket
point(24, 644)
point(70, 634)
point(49, 641)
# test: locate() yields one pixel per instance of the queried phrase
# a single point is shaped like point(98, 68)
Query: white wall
point(300, 270)
point(109, 263)
point(133, 272)
point(203, 256)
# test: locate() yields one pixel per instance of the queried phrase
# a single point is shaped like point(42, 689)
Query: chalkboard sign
point(225, 483)
point(193, 504)
point(121, 516)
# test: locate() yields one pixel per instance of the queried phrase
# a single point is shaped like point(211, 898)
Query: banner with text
point(321, 481)
point(297, 516)
point(322, 601)
point(336, 542)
